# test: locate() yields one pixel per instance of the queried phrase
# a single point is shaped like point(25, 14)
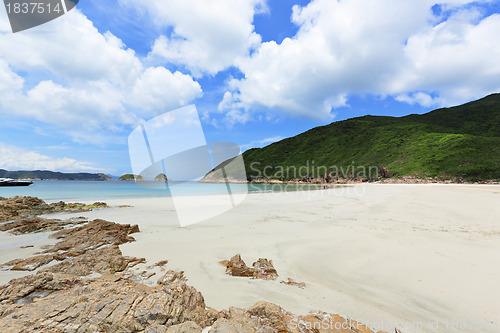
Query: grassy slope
point(462, 141)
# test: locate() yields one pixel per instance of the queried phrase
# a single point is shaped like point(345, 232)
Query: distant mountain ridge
point(458, 142)
point(51, 175)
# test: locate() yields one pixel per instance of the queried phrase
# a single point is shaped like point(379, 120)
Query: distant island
point(131, 177)
point(458, 144)
point(51, 175)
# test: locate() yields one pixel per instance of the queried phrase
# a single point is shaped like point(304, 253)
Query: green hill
point(462, 141)
point(51, 175)
point(129, 177)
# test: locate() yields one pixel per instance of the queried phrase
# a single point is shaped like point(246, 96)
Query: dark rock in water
point(261, 269)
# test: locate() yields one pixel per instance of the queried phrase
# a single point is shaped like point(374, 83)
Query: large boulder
point(107, 304)
point(261, 269)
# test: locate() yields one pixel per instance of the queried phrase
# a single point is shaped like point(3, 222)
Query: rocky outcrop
point(17, 207)
point(107, 260)
point(31, 263)
point(24, 207)
point(237, 267)
point(64, 298)
point(264, 269)
point(223, 325)
point(37, 224)
point(261, 269)
point(107, 304)
point(186, 327)
point(91, 236)
point(267, 317)
point(21, 291)
point(83, 250)
point(47, 302)
point(172, 277)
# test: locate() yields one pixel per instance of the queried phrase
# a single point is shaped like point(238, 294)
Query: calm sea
point(101, 190)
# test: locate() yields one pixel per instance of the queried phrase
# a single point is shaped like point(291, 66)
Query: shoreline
point(321, 182)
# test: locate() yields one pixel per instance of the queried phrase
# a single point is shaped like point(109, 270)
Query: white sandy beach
point(387, 255)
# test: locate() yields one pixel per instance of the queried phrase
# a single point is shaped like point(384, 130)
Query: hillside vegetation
point(458, 142)
point(129, 177)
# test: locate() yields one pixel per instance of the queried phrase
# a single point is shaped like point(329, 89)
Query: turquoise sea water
point(101, 190)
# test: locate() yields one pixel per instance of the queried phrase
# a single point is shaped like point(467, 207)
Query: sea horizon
point(68, 190)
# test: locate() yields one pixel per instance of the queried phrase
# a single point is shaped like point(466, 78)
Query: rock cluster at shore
point(110, 303)
point(409, 179)
point(24, 207)
point(36, 224)
point(80, 247)
point(261, 269)
point(93, 288)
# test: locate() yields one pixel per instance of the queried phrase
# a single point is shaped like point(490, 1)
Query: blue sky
point(72, 90)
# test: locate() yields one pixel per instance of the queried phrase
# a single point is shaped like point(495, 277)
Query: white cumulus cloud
point(14, 158)
point(208, 36)
point(159, 89)
point(89, 85)
point(364, 47)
